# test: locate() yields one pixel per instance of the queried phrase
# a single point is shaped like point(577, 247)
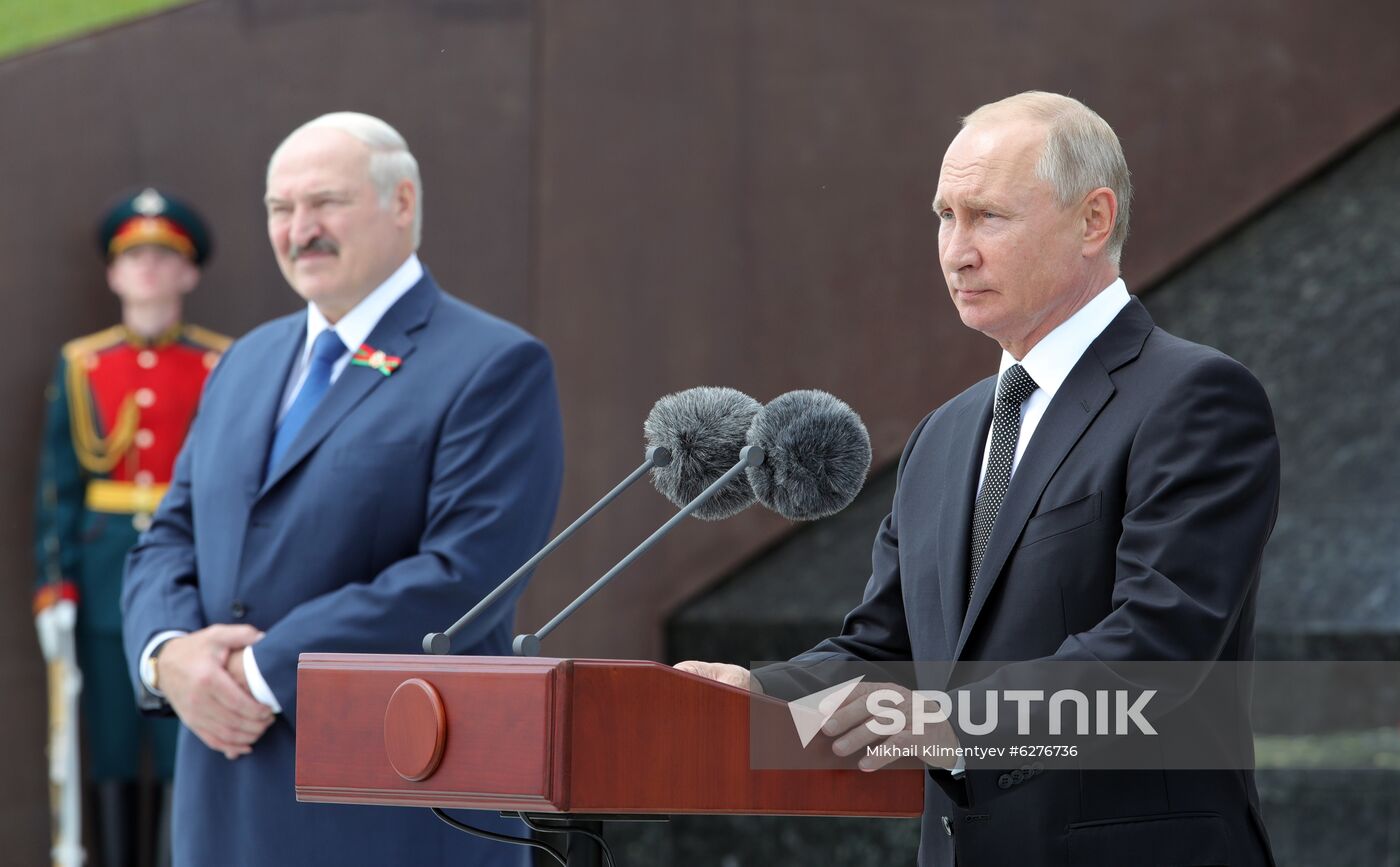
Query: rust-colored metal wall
point(670, 193)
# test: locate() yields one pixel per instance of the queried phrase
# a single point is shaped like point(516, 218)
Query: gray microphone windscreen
point(818, 453)
point(704, 428)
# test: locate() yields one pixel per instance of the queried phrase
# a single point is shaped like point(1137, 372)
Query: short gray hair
point(390, 160)
point(1081, 153)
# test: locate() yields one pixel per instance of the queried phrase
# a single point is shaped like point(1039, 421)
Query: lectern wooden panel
point(554, 736)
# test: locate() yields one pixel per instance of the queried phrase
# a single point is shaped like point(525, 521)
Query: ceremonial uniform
point(118, 409)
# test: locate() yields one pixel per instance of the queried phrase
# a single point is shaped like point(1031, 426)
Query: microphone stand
point(588, 848)
point(529, 643)
point(584, 834)
point(580, 847)
point(440, 643)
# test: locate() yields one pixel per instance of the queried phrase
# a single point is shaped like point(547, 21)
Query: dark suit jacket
point(403, 501)
point(1133, 530)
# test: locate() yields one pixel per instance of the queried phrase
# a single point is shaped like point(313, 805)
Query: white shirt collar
point(1050, 361)
point(354, 327)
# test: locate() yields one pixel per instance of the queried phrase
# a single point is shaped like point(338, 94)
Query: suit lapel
point(263, 403)
point(393, 335)
point(1075, 406)
point(955, 528)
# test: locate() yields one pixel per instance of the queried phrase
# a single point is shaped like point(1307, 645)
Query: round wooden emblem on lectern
point(415, 730)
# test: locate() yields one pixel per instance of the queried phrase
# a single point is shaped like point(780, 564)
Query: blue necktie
point(325, 352)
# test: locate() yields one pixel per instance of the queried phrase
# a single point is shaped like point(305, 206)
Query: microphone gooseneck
point(713, 452)
point(440, 643)
point(528, 644)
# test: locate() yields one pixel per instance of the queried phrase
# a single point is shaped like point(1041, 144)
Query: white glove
point(53, 624)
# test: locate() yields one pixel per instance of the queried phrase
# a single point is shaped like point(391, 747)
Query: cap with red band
point(150, 230)
point(154, 218)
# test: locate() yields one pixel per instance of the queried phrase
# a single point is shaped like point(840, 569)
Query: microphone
point(704, 429)
point(818, 453)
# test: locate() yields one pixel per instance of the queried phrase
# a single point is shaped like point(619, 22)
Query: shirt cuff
point(256, 684)
point(144, 666)
point(958, 767)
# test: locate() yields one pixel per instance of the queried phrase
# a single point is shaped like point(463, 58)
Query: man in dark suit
point(356, 473)
point(1105, 498)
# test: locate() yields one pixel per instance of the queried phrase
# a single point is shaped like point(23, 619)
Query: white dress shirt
point(353, 329)
point(1049, 363)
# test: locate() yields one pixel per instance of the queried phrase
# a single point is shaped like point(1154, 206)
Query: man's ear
point(405, 197)
point(189, 277)
point(1098, 212)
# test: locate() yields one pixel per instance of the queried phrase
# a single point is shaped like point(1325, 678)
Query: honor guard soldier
point(118, 410)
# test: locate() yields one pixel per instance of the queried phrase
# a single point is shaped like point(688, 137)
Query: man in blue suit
point(358, 474)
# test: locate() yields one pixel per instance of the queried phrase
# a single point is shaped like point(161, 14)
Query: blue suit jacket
point(402, 502)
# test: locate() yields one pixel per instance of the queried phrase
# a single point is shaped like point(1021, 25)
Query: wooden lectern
point(555, 736)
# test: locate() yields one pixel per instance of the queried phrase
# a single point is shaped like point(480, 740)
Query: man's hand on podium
point(734, 675)
point(195, 679)
point(850, 726)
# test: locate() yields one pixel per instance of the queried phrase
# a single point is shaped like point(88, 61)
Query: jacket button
point(948, 826)
point(238, 610)
point(1004, 781)
point(1037, 768)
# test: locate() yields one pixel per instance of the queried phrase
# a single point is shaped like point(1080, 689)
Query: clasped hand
point(202, 677)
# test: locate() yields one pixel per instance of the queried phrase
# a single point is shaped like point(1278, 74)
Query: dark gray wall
point(1307, 296)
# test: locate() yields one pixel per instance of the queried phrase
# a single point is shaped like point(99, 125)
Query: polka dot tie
point(1016, 385)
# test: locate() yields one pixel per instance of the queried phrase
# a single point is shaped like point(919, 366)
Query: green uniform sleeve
point(61, 489)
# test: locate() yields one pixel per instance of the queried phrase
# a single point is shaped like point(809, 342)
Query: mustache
point(315, 245)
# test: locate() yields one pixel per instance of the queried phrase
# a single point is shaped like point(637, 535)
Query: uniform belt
point(123, 498)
